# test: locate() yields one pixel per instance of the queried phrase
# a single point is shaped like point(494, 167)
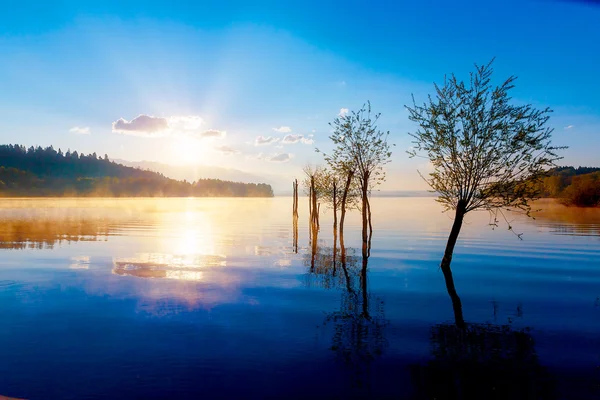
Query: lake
point(211, 298)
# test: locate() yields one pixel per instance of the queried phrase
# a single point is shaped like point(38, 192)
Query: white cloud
point(294, 138)
point(569, 127)
point(80, 130)
point(212, 133)
point(142, 125)
point(283, 129)
point(263, 141)
point(343, 112)
point(178, 126)
point(227, 150)
point(279, 157)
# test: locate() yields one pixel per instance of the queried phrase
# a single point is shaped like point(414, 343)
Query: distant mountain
point(192, 173)
point(38, 171)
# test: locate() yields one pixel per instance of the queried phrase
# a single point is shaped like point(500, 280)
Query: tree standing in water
point(486, 153)
point(361, 150)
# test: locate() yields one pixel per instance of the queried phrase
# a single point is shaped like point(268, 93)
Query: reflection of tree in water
point(480, 361)
point(40, 233)
point(359, 324)
point(562, 220)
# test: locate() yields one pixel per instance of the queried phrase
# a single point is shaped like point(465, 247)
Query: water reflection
point(166, 263)
point(564, 220)
point(167, 266)
point(44, 232)
point(482, 361)
point(358, 325)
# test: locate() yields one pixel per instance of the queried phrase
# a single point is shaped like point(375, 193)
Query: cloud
point(294, 138)
point(569, 126)
point(343, 112)
point(177, 126)
point(144, 125)
point(80, 130)
point(263, 141)
point(186, 122)
point(226, 150)
point(283, 129)
point(212, 133)
point(278, 157)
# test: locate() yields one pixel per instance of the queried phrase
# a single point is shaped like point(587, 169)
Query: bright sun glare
point(189, 151)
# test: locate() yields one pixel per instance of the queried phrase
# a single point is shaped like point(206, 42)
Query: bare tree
point(486, 153)
point(361, 150)
point(314, 188)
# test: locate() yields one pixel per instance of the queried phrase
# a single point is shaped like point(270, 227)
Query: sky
point(253, 85)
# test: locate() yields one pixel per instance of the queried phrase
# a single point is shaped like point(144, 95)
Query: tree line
point(573, 186)
point(37, 171)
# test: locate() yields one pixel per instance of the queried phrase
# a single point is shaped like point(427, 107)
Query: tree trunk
point(343, 211)
point(317, 215)
point(343, 216)
point(369, 216)
point(314, 201)
point(370, 228)
point(314, 249)
point(334, 208)
point(365, 219)
point(447, 260)
point(334, 252)
point(310, 204)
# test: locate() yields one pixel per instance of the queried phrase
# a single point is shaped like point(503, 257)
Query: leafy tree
point(486, 153)
point(361, 150)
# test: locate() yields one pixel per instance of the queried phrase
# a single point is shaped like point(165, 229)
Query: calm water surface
point(211, 298)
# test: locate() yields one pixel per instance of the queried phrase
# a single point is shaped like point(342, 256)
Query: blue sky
point(226, 76)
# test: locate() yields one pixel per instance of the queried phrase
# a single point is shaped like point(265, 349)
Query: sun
point(189, 151)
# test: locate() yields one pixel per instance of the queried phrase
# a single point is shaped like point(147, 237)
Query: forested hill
point(574, 186)
point(48, 172)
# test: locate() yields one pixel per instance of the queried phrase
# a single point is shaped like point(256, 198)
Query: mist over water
point(168, 298)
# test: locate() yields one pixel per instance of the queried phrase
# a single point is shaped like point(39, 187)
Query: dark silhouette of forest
point(573, 186)
point(37, 171)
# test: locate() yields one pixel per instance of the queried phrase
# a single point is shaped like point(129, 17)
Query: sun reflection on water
point(167, 266)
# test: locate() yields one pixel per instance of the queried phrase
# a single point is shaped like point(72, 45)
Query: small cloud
point(293, 138)
point(142, 125)
point(342, 83)
point(263, 141)
point(283, 129)
point(212, 133)
point(313, 131)
point(343, 112)
point(226, 150)
point(279, 157)
point(80, 130)
point(569, 126)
